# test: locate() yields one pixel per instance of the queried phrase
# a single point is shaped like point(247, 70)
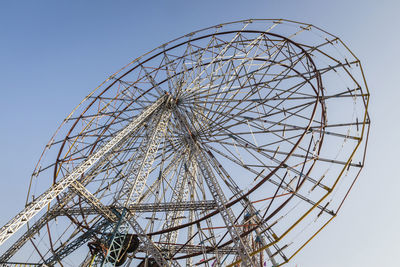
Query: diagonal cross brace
point(94, 201)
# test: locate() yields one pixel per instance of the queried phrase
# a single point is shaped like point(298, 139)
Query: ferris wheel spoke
point(242, 111)
point(281, 139)
point(223, 127)
point(78, 154)
point(278, 184)
point(313, 157)
point(276, 77)
point(232, 69)
point(247, 110)
point(248, 145)
point(138, 91)
point(174, 81)
point(226, 80)
point(261, 228)
point(104, 114)
point(244, 115)
point(217, 56)
point(196, 73)
point(197, 62)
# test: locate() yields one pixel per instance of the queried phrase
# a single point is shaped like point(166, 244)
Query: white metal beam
point(43, 200)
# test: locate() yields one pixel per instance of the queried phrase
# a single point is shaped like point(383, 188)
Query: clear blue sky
point(53, 53)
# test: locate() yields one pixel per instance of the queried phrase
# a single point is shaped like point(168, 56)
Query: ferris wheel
point(233, 145)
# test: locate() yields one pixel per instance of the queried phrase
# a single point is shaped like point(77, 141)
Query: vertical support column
point(133, 186)
point(136, 179)
point(181, 194)
point(189, 261)
point(216, 191)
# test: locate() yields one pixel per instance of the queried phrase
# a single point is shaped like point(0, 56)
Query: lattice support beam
point(94, 201)
point(134, 184)
point(187, 249)
point(145, 207)
point(245, 203)
point(226, 213)
point(182, 189)
point(43, 200)
point(216, 191)
point(39, 224)
point(56, 210)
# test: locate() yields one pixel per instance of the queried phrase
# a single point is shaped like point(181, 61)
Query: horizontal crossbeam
point(146, 207)
point(188, 249)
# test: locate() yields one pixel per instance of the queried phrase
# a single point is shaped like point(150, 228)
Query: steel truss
point(38, 204)
point(132, 190)
point(145, 207)
point(222, 147)
point(182, 189)
point(229, 219)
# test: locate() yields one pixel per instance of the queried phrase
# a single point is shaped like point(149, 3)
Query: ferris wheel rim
point(229, 203)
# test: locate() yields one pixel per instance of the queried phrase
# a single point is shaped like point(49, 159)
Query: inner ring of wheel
point(317, 90)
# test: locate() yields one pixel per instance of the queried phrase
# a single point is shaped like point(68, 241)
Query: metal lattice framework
point(232, 145)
